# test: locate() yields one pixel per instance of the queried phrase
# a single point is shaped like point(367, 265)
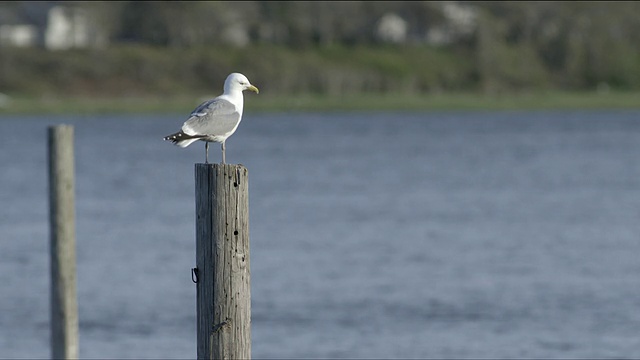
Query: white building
point(461, 20)
point(53, 27)
point(392, 28)
point(67, 27)
point(20, 35)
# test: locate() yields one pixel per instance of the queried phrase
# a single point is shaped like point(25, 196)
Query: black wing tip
point(173, 138)
point(181, 136)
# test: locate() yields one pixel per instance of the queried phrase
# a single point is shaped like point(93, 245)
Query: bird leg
point(223, 148)
point(206, 148)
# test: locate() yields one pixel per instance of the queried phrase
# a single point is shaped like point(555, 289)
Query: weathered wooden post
point(64, 306)
point(222, 259)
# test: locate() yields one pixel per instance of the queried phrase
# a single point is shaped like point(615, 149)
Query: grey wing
point(212, 117)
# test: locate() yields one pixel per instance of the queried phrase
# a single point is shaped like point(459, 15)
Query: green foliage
point(327, 48)
point(129, 69)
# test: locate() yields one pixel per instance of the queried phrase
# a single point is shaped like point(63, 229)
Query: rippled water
point(387, 235)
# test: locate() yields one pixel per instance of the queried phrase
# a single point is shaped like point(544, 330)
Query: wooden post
point(222, 260)
point(64, 306)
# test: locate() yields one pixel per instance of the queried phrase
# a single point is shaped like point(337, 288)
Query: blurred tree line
point(338, 47)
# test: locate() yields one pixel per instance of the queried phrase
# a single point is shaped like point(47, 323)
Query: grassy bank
point(146, 79)
point(357, 102)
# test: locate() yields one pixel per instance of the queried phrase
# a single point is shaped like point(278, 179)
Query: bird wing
point(212, 117)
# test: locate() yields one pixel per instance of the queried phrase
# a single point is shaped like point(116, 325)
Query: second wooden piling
point(222, 262)
point(64, 304)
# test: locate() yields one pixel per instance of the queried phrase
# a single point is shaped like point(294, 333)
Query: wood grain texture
point(222, 260)
point(64, 305)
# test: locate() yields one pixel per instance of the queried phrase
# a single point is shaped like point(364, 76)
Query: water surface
point(386, 235)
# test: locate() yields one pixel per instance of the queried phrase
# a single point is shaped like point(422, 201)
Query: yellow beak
point(254, 89)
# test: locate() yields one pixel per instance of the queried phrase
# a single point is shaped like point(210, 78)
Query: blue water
point(386, 235)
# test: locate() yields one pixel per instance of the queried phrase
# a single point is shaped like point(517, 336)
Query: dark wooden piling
point(222, 262)
point(64, 305)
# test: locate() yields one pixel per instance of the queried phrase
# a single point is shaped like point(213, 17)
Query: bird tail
point(181, 139)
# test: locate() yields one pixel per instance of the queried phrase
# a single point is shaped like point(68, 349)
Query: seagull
point(216, 119)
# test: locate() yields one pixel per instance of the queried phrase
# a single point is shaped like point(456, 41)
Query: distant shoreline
point(552, 100)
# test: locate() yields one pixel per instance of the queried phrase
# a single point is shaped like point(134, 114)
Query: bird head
point(238, 81)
